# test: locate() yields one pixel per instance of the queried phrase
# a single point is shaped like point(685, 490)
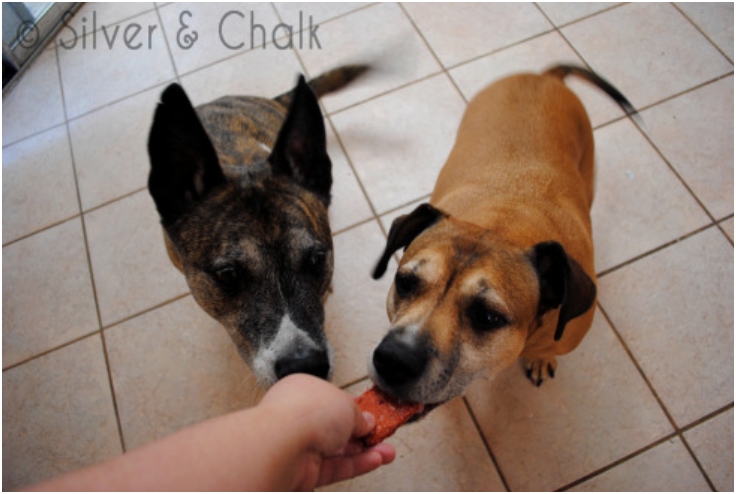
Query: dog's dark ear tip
point(173, 94)
point(379, 270)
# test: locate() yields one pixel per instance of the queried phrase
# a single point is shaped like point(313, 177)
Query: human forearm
point(302, 435)
point(238, 451)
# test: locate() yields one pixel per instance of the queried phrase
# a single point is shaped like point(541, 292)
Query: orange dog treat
point(389, 414)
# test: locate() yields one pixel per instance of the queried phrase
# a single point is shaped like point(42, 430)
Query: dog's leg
point(540, 369)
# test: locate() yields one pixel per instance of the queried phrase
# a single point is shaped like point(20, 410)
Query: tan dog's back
point(522, 165)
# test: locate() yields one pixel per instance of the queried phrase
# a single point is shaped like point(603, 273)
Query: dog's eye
point(227, 276)
point(315, 260)
point(405, 284)
point(484, 319)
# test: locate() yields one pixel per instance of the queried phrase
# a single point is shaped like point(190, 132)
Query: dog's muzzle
point(310, 361)
point(292, 351)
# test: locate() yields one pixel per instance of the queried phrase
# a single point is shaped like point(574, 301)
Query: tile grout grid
point(713, 221)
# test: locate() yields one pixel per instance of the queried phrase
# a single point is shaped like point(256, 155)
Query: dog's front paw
point(539, 370)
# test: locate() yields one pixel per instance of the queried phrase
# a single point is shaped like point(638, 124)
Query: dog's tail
point(328, 82)
point(564, 70)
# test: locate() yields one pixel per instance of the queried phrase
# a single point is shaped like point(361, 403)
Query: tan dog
point(500, 263)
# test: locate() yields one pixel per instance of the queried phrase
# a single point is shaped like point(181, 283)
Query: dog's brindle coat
point(242, 187)
point(500, 263)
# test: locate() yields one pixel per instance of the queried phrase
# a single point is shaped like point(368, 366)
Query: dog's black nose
point(398, 362)
point(314, 362)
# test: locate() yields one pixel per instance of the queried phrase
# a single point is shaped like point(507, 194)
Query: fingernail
point(369, 419)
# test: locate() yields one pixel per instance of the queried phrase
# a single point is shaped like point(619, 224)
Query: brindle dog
point(242, 187)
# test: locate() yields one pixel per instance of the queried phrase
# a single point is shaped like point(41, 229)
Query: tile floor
point(105, 350)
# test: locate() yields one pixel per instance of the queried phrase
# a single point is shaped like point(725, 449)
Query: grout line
point(353, 226)
point(644, 134)
point(696, 26)
point(78, 215)
point(113, 201)
point(677, 429)
point(432, 52)
point(88, 112)
point(145, 311)
point(686, 91)
point(40, 230)
point(584, 18)
point(389, 91)
point(707, 417)
point(166, 43)
point(100, 330)
point(339, 142)
point(655, 250)
point(620, 461)
point(12, 143)
point(89, 260)
point(723, 230)
point(485, 443)
point(354, 382)
point(50, 350)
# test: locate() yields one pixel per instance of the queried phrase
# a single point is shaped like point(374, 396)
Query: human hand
point(326, 424)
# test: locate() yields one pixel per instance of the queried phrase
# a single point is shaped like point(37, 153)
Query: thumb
point(364, 422)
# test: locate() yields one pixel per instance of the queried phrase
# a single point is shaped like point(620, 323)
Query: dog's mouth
point(426, 408)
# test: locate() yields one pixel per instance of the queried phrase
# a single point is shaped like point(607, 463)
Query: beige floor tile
point(199, 34)
point(398, 142)
point(349, 205)
point(712, 443)
point(38, 184)
point(355, 313)
point(380, 36)
point(639, 204)
point(265, 73)
point(650, 50)
point(664, 468)
point(695, 134)
point(93, 16)
point(131, 269)
point(595, 411)
point(92, 77)
point(674, 309)
point(458, 32)
point(34, 104)
point(110, 148)
point(57, 414)
point(716, 21)
point(561, 13)
point(442, 452)
point(535, 56)
point(47, 292)
point(174, 367)
point(318, 11)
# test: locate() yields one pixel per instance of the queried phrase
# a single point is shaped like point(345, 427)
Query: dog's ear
point(300, 151)
point(404, 230)
point(184, 165)
point(562, 283)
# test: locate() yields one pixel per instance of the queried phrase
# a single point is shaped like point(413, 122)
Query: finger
point(352, 448)
point(338, 469)
point(364, 423)
point(387, 452)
